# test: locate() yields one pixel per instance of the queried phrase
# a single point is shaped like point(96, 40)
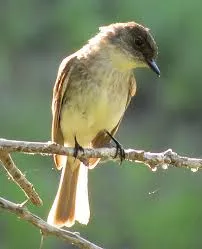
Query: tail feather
point(82, 212)
point(71, 201)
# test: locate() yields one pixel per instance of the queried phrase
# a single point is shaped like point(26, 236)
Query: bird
point(92, 91)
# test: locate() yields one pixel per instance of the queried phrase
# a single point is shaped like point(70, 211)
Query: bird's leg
point(119, 149)
point(77, 148)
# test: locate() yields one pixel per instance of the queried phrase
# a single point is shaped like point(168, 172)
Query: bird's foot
point(77, 148)
point(119, 148)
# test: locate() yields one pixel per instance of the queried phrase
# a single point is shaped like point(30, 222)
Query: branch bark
point(151, 159)
point(46, 229)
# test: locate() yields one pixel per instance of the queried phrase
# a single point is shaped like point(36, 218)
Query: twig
point(153, 160)
point(45, 228)
point(17, 176)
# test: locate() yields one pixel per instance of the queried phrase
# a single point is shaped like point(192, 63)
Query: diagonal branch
point(46, 229)
point(153, 160)
point(17, 176)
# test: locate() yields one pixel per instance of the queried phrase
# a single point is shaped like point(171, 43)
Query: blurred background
point(131, 207)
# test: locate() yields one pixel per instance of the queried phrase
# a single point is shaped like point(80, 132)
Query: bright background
point(131, 206)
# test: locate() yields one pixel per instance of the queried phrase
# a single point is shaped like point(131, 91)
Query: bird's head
point(134, 45)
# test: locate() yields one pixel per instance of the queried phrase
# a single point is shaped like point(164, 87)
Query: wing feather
point(61, 85)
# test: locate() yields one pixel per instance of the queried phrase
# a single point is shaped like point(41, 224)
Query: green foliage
point(131, 207)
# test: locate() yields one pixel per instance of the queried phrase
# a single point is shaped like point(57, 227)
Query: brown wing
point(60, 87)
point(102, 139)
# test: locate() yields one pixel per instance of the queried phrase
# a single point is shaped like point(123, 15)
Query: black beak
point(152, 64)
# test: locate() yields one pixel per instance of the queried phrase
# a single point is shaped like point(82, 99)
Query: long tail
point(71, 201)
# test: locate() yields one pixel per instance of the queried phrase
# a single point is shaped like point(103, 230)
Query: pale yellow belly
point(91, 115)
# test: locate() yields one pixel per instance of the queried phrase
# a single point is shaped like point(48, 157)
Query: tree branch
point(17, 177)
point(46, 229)
point(153, 160)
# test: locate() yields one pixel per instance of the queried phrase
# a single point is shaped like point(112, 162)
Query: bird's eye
point(139, 41)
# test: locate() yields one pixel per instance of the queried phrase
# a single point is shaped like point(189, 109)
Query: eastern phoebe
point(92, 91)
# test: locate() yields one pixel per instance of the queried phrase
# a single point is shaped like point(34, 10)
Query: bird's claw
point(119, 148)
point(77, 148)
